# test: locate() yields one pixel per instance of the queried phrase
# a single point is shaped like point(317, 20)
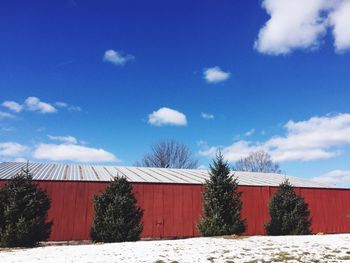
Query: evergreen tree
point(222, 202)
point(289, 213)
point(23, 212)
point(117, 216)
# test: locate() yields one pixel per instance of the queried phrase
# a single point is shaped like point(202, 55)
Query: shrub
point(289, 213)
point(222, 202)
point(23, 212)
point(117, 216)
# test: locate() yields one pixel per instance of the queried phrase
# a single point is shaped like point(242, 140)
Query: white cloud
point(65, 105)
point(302, 155)
point(207, 116)
point(74, 108)
point(292, 24)
point(61, 104)
point(4, 115)
point(167, 116)
point(249, 133)
point(12, 149)
point(335, 177)
point(71, 152)
point(340, 20)
point(20, 160)
point(315, 133)
point(12, 105)
point(232, 152)
point(68, 150)
point(35, 104)
point(313, 139)
point(30, 104)
point(202, 167)
point(215, 74)
point(302, 24)
point(116, 57)
point(64, 139)
point(40, 129)
point(6, 128)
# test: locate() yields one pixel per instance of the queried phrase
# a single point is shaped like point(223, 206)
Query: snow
point(313, 248)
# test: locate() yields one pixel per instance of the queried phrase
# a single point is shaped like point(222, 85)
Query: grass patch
point(344, 258)
point(211, 259)
point(269, 244)
point(268, 248)
point(315, 260)
point(283, 256)
point(6, 249)
point(257, 260)
point(233, 237)
point(162, 261)
point(328, 256)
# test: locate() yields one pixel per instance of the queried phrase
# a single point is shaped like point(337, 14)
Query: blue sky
point(99, 82)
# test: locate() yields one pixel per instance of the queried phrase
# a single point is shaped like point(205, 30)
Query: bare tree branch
point(259, 161)
point(169, 154)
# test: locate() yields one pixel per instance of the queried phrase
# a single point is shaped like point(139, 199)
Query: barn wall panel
point(254, 210)
point(172, 210)
point(329, 209)
point(139, 194)
point(188, 222)
point(148, 217)
point(158, 212)
point(71, 208)
point(168, 210)
point(197, 210)
point(177, 200)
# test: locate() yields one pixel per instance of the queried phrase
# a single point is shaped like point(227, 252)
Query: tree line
point(24, 209)
point(170, 153)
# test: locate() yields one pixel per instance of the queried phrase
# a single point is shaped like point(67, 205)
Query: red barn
point(172, 198)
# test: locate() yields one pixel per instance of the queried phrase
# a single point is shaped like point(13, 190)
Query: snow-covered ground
point(316, 248)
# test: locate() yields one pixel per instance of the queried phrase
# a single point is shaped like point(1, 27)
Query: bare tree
point(169, 154)
point(259, 161)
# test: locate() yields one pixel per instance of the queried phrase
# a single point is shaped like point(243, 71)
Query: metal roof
point(97, 173)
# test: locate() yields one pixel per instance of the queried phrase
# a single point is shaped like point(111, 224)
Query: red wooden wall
point(172, 210)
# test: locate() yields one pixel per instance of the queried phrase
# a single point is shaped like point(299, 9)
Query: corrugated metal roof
point(76, 172)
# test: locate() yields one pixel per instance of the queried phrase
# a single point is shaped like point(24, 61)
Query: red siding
point(172, 210)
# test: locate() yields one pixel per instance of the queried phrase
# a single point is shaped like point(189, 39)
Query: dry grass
point(233, 237)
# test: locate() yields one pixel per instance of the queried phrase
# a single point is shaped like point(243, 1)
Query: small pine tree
point(117, 216)
point(23, 212)
point(289, 213)
point(222, 202)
